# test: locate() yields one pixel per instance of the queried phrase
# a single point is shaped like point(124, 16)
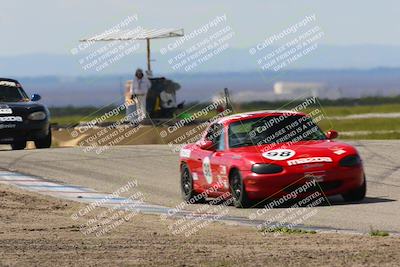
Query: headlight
point(37, 116)
point(266, 168)
point(350, 161)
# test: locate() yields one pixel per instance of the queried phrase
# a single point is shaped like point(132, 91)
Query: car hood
point(22, 109)
point(299, 150)
point(17, 105)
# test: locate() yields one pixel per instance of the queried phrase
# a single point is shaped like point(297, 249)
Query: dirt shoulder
point(39, 230)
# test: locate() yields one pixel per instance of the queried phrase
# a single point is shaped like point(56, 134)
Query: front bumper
point(334, 181)
point(24, 131)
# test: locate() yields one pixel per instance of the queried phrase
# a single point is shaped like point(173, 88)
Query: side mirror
point(207, 145)
point(35, 97)
point(332, 134)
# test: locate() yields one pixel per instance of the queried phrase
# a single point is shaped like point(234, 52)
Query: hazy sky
point(55, 26)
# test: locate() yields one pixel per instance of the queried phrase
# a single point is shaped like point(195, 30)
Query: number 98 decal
point(279, 154)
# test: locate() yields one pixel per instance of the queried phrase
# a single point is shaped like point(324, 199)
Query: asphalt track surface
point(155, 167)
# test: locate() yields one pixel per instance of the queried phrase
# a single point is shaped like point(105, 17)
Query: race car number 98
point(279, 154)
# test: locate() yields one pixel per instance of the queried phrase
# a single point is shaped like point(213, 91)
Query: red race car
point(268, 154)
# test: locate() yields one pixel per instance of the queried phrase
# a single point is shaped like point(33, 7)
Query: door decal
point(207, 169)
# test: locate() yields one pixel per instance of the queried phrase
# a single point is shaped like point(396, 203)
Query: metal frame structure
point(141, 34)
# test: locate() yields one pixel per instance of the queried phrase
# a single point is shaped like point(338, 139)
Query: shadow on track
point(332, 201)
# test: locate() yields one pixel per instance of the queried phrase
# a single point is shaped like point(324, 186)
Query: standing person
point(140, 85)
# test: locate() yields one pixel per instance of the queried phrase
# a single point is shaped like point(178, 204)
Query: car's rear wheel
point(18, 145)
point(357, 194)
point(188, 193)
point(44, 142)
point(240, 199)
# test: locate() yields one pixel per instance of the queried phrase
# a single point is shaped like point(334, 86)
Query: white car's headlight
point(37, 116)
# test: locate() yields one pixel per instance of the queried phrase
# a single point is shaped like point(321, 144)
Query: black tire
point(357, 194)
point(240, 199)
point(187, 191)
point(18, 145)
point(44, 142)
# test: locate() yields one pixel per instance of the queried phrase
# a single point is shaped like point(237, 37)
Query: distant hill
point(101, 90)
point(351, 71)
point(231, 60)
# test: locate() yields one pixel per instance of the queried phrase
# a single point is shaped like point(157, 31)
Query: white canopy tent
point(137, 34)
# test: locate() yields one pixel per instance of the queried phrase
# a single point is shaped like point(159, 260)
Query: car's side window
point(210, 131)
point(221, 139)
point(215, 134)
point(239, 132)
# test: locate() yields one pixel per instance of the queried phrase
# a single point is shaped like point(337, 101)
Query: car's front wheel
point(357, 194)
point(18, 145)
point(44, 142)
point(240, 199)
point(188, 194)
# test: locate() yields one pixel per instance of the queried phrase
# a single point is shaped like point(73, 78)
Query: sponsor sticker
point(185, 153)
point(339, 152)
point(207, 169)
point(279, 154)
point(195, 176)
point(223, 169)
point(317, 176)
point(7, 126)
point(313, 166)
point(11, 118)
point(7, 83)
point(5, 111)
point(308, 160)
point(9, 139)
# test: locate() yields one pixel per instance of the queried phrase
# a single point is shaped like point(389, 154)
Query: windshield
point(12, 94)
point(273, 130)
